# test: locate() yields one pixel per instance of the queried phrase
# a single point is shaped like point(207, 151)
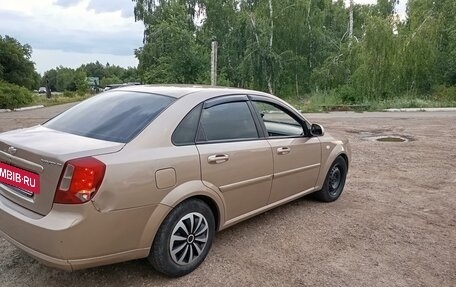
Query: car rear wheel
point(334, 182)
point(184, 239)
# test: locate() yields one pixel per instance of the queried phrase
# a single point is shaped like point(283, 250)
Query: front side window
point(116, 116)
point(228, 121)
point(278, 123)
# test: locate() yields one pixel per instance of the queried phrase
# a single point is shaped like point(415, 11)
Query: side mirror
point(317, 130)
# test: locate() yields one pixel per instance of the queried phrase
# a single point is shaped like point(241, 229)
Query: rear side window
point(116, 116)
point(185, 132)
point(229, 121)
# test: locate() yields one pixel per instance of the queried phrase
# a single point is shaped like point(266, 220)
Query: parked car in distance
point(42, 90)
point(155, 171)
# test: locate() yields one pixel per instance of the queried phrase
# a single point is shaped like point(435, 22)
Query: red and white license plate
point(19, 178)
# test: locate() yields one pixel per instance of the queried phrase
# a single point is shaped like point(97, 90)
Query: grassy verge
point(59, 100)
point(324, 102)
point(406, 102)
point(313, 103)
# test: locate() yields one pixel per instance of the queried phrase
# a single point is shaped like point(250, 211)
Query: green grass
point(59, 100)
point(324, 101)
point(330, 101)
point(409, 102)
point(316, 102)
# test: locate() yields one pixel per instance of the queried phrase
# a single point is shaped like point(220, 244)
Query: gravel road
point(395, 224)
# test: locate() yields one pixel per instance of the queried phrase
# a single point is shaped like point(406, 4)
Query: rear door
point(297, 156)
point(234, 159)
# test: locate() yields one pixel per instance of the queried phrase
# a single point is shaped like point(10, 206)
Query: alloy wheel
point(189, 238)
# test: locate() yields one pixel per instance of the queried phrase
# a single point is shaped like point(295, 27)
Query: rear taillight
point(80, 180)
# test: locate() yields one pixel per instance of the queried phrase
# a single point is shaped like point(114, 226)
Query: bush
point(445, 94)
point(318, 101)
point(81, 92)
point(69, 94)
point(13, 96)
point(348, 94)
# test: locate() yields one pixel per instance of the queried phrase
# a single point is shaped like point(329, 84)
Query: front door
point(233, 157)
point(297, 157)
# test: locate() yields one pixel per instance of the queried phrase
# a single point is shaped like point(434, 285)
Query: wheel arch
point(338, 150)
point(345, 157)
point(183, 192)
point(212, 205)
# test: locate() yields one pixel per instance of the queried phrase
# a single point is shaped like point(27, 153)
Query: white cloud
point(66, 3)
point(78, 16)
point(400, 8)
point(124, 6)
point(73, 32)
point(73, 26)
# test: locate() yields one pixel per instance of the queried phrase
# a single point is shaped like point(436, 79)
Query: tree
point(446, 59)
point(15, 64)
point(110, 80)
point(94, 69)
point(50, 76)
point(67, 79)
point(375, 77)
point(298, 47)
point(171, 53)
point(80, 81)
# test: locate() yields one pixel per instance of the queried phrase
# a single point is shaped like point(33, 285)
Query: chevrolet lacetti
point(155, 171)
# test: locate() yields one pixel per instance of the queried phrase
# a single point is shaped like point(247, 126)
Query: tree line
point(68, 79)
point(17, 68)
point(295, 48)
point(17, 73)
point(292, 48)
point(18, 76)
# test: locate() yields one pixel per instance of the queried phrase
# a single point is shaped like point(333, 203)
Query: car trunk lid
point(44, 152)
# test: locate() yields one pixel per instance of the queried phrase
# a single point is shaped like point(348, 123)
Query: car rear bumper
point(75, 237)
point(45, 259)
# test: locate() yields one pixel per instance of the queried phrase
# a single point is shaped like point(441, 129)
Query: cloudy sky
point(74, 32)
point(400, 8)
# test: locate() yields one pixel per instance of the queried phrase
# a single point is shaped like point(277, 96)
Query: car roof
point(178, 91)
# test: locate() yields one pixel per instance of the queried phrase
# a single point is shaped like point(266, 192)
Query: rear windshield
point(116, 116)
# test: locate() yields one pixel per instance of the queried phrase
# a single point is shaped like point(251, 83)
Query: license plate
point(19, 178)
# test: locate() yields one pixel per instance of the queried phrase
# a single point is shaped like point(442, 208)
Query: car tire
point(334, 181)
point(184, 239)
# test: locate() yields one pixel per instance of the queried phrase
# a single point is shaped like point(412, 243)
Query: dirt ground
point(394, 225)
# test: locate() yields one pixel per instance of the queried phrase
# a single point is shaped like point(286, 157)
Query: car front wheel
point(334, 182)
point(184, 239)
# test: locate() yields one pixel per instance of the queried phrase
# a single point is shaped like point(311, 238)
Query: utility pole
point(214, 62)
point(48, 89)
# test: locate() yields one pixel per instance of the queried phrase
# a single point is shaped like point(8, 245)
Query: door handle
point(218, 158)
point(283, 150)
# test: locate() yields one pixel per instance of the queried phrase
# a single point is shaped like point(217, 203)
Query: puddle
point(391, 139)
point(386, 135)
